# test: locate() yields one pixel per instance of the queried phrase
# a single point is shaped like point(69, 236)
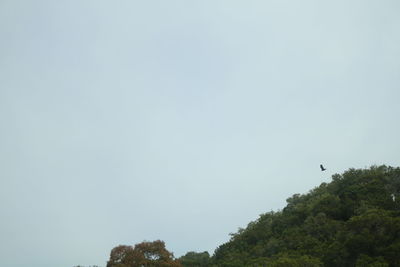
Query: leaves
point(194, 259)
point(143, 254)
point(353, 220)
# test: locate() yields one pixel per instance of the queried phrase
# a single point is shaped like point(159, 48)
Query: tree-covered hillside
point(352, 221)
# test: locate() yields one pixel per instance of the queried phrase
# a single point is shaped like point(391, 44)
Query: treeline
point(352, 221)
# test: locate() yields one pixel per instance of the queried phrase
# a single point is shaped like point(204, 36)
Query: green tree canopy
point(195, 259)
point(352, 221)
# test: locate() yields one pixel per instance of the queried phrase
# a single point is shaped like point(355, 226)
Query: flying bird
point(322, 167)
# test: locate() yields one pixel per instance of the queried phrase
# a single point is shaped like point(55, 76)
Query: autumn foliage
point(152, 254)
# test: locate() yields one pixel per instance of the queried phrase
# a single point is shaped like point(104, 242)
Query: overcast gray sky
point(123, 121)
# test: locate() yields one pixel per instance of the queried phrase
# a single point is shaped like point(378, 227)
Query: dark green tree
point(195, 259)
point(352, 221)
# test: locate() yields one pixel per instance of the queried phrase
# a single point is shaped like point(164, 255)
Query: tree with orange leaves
point(152, 254)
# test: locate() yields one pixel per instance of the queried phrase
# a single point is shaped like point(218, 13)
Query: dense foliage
point(143, 254)
point(352, 221)
point(195, 259)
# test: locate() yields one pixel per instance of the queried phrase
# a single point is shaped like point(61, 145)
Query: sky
point(124, 121)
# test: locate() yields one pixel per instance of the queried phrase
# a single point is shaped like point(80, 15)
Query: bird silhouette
point(322, 167)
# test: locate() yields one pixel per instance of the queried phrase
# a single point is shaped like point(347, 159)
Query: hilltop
point(351, 221)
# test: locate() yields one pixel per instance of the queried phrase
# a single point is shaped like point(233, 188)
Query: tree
point(195, 259)
point(152, 254)
point(364, 261)
point(295, 261)
point(121, 256)
point(352, 221)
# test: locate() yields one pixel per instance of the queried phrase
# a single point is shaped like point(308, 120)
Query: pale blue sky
point(124, 121)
